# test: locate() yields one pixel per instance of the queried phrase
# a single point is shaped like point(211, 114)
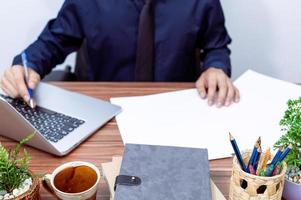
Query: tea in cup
point(74, 181)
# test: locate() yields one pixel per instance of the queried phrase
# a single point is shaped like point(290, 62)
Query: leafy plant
point(291, 125)
point(13, 170)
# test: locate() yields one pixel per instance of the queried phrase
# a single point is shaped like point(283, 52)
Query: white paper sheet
point(183, 119)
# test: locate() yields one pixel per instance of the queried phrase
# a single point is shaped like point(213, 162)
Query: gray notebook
point(166, 173)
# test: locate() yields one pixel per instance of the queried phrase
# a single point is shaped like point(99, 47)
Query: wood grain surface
point(107, 142)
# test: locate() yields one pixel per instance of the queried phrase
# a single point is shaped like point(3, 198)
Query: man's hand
point(13, 82)
point(217, 87)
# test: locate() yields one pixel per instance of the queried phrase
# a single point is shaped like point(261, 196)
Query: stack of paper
point(111, 170)
point(183, 119)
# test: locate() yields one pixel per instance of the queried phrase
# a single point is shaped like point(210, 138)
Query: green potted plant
point(291, 126)
point(16, 180)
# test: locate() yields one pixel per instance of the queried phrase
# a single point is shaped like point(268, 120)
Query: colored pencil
point(257, 158)
point(278, 154)
point(277, 169)
point(272, 167)
point(237, 153)
point(256, 145)
point(263, 162)
point(252, 170)
point(285, 153)
point(269, 170)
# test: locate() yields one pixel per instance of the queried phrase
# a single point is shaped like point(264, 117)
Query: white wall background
point(266, 33)
point(266, 37)
point(21, 21)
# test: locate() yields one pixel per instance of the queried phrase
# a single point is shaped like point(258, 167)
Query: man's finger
point(212, 82)
point(230, 94)
point(200, 85)
point(222, 91)
point(10, 78)
point(237, 95)
point(8, 88)
point(20, 81)
point(6, 91)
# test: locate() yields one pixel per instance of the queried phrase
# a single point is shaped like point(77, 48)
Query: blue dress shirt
point(110, 28)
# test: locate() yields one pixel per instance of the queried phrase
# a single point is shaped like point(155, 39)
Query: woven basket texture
point(34, 192)
point(245, 186)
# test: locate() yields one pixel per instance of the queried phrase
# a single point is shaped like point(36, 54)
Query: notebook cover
point(111, 169)
point(167, 173)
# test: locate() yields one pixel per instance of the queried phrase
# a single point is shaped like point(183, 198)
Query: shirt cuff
point(218, 59)
point(18, 61)
point(218, 65)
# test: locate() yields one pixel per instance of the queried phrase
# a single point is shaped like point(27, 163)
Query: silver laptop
point(61, 120)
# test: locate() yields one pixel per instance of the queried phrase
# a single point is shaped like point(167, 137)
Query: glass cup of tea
point(76, 180)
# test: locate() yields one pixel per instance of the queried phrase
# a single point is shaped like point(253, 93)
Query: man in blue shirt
point(110, 29)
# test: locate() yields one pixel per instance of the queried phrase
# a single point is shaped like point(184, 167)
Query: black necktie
point(145, 44)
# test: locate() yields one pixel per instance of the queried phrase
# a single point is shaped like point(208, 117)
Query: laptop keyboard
point(52, 125)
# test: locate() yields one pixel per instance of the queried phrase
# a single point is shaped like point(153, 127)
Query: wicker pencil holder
point(245, 186)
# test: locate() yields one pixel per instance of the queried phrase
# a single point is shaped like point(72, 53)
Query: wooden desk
point(107, 142)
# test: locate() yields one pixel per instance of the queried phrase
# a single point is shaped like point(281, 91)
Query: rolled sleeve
point(214, 39)
point(60, 37)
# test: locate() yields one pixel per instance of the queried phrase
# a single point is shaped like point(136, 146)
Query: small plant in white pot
point(16, 180)
point(291, 125)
